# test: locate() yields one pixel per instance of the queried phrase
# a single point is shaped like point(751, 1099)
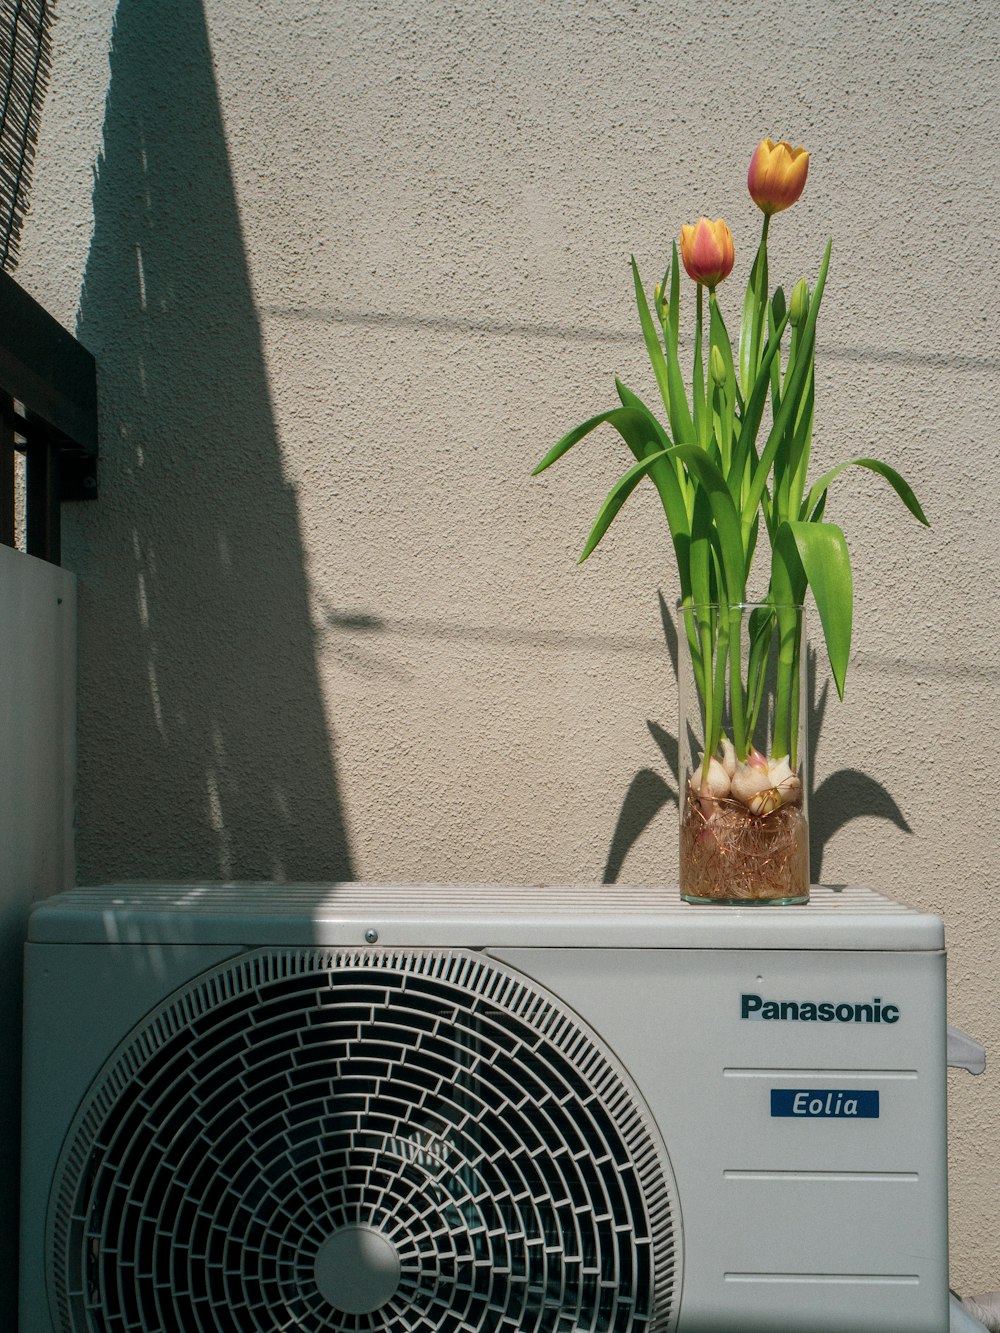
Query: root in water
point(727, 852)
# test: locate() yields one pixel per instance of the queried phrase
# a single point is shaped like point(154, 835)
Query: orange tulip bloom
point(777, 175)
point(707, 251)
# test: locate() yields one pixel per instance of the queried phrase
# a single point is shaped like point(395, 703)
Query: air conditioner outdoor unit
point(348, 1108)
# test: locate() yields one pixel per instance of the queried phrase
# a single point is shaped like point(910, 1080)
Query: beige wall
point(348, 270)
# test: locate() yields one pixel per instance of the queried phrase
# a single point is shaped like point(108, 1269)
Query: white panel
point(37, 762)
point(407, 915)
point(829, 1224)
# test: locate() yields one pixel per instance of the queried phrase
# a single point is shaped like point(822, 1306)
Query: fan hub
point(357, 1269)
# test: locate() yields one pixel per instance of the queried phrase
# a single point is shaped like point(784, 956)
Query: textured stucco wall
point(348, 270)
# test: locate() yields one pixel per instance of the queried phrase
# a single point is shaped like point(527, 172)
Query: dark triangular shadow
point(205, 748)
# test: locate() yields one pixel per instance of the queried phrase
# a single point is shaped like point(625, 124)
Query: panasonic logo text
point(819, 1011)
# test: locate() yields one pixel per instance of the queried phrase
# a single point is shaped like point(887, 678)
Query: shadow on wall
point(845, 795)
point(204, 745)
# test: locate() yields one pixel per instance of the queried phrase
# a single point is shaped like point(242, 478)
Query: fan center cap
point(357, 1269)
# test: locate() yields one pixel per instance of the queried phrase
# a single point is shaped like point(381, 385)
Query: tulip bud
point(800, 302)
point(777, 175)
point(717, 368)
point(707, 251)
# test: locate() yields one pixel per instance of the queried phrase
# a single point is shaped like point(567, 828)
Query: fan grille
point(339, 1142)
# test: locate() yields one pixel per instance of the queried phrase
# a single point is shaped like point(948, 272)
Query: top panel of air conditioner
point(568, 916)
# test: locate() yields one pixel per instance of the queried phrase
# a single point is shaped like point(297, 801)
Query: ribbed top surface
point(473, 915)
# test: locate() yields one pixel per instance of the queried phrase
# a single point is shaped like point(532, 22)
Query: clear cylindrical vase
point(744, 834)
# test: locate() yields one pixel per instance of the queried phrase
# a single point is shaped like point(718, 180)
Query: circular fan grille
point(338, 1142)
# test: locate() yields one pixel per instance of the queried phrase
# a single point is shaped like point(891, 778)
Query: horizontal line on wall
point(507, 328)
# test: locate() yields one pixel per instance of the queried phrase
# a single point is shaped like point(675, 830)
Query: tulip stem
point(698, 381)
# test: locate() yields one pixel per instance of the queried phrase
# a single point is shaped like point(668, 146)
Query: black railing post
point(8, 524)
point(41, 487)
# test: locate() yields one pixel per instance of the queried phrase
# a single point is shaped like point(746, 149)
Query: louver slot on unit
point(243, 1118)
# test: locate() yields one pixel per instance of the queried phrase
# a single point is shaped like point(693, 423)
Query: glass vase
point(744, 829)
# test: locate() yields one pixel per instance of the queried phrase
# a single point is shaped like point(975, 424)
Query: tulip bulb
point(786, 781)
point(754, 786)
point(715, 782)
point(765, 802)
point(728, 755)
point(749, 782)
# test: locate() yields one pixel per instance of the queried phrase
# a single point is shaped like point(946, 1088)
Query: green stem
point(736, 701)
point(786, 706)
point(760, 320)
point(698, 633)
point(712, 717)
point(757, 662)
point(793, 739)
point(698, 379)
point(782, 708)
point(719, 683)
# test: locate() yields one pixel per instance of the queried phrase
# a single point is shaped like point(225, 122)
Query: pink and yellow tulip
point(707, 251)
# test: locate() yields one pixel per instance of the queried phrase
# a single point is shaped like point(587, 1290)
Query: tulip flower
point(707, 251)
point(777, 175)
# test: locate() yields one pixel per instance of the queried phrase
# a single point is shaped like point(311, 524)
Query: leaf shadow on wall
point(204, 748)
point(845, 795)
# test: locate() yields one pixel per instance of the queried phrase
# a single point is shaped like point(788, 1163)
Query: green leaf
point(820, 509)
point(645, 437)
point(616, 497)
point(674, 307)
point(752, 323)
point(574, 436)
point(801, 448)
point(725, 513)
point(670, 486)
point(702, 532)
point(654, 347)
point(890, 474)
point(681, 423)
point(791, 397)
point(718, 336)
point(815, 554)
point(750, 422)
point(760, 629)
point(775, 315)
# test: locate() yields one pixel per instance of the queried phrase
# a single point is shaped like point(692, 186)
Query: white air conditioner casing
point(429, 1109)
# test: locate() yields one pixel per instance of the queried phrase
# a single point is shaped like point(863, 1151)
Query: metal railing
point(48, 417)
